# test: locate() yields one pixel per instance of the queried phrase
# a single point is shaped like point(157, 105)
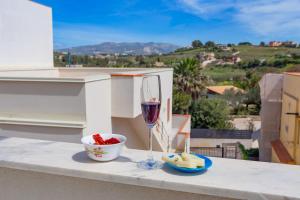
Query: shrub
point(210, 44)
point(249, 154)
point(197, 44)
point(210, 113)
point(181, 102)
point(245, 44)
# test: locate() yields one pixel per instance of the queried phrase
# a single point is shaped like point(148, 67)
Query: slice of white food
point(172, 159)
point(185, 160)
point(186, 164)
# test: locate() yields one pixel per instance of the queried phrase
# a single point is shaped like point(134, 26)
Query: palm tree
point(188, 78)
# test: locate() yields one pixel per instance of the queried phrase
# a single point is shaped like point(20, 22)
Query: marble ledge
point(227, 178)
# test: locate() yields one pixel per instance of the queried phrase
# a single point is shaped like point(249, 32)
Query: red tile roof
point(221, 89)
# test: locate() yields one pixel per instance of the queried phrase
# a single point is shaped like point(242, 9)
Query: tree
point(86, 59)
point(250, 63)
point(140, 59)
point(234, 50)
point(197, 44)
point(253, 63)
point(262, 44)
point(233, 97)
point(250, 80)
point(279, 63)
point(188, 78)
point(181, 102)
point(74, 60)
point(210, 113)
point(210, 44)
point(245, 44)
point(253, 97)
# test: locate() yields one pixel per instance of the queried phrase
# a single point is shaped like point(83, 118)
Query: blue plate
point(208, 164)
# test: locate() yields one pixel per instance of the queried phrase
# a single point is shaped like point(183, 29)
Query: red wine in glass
point(150, 112)
point(150, 106)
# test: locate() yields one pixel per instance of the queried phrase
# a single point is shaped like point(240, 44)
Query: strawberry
point(98, 139)
point(112, 141)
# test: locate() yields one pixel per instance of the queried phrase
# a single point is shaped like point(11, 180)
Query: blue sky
point(173, 21)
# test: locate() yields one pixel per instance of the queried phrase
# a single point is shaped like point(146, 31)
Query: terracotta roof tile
point(221, 89)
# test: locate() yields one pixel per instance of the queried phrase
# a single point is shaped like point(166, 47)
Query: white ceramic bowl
point(103, 152)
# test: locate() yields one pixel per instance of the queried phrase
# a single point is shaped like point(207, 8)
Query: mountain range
point(132, 48)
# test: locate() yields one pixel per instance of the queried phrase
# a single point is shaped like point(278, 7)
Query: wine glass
point(150, 104)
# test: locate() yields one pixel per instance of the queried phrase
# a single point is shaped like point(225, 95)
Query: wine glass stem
point(150, 156)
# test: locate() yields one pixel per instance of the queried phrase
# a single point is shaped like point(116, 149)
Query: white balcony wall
point(25, 35)
point(64, 134)
point(98, 107)
point(123, 96)
point(55, 108)
point(126, 106)
point(36, 169)
point(126, 102)
point(37, 99)
point(37, 186)
point(82, 101)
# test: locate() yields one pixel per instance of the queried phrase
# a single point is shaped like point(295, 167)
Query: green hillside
point(250, 52)
point(191, 76)
point(246, 52)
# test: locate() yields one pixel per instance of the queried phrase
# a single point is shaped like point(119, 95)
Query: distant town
point(155, 54)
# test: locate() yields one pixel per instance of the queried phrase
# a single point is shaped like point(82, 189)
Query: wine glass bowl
point(150, 112)
point(150, 106)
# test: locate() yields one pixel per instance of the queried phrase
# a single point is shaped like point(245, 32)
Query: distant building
point(112, 62)
point(102, 56)
point(220, 90)
point(230, 60)
point(98, 56)
point(289, 44)
point(283, 44)
point(159, 64)
point(236, 59)
point(224, 47)
point(206, 56)
point(60, 57)
point(275, 44)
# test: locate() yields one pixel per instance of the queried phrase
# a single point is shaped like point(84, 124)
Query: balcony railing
point(230, 151)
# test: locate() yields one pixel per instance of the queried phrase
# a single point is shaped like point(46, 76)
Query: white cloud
point(264, 17)
point(205, 8)
point(274, 17)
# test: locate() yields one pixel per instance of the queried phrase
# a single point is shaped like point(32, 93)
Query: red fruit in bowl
point(112, 141)
point(98, 139)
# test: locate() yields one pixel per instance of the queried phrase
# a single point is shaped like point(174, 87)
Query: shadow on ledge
point(3, 138)
point(174, 172)
point(82, 157)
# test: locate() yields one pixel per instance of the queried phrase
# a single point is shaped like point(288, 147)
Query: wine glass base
point(149, 164)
